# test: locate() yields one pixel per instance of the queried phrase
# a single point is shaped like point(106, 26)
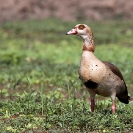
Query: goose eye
point(81, 27)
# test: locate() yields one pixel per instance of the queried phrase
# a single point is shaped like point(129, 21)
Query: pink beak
point(72, 32)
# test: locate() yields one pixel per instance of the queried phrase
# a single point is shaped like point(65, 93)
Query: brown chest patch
point(91, 84)
point(89, 48)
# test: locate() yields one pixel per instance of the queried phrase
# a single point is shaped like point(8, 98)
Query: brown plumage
point(99, 77)
point(123, 96)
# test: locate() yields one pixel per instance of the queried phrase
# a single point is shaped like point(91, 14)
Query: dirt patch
point(11, 10)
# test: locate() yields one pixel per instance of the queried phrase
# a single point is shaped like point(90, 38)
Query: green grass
point(39, 85)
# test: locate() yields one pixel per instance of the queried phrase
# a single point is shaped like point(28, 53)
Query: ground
point(11, 10)
point(40, 90)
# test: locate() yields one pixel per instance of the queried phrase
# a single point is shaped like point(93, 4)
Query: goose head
point(81, 30)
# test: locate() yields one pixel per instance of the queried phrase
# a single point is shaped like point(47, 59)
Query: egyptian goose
point(99, 77)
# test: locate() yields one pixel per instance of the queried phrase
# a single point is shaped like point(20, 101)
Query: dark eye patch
point(81, 27)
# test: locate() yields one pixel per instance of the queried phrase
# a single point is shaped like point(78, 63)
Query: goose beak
point(72, 32)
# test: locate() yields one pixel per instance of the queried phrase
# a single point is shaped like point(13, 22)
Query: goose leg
point(92, 105)
point(92, 99)
point(113, 107)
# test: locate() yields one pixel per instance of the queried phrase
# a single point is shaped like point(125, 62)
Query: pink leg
point(92, 105)
point(113, 107)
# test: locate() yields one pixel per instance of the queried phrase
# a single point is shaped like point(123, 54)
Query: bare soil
point(11, 10)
